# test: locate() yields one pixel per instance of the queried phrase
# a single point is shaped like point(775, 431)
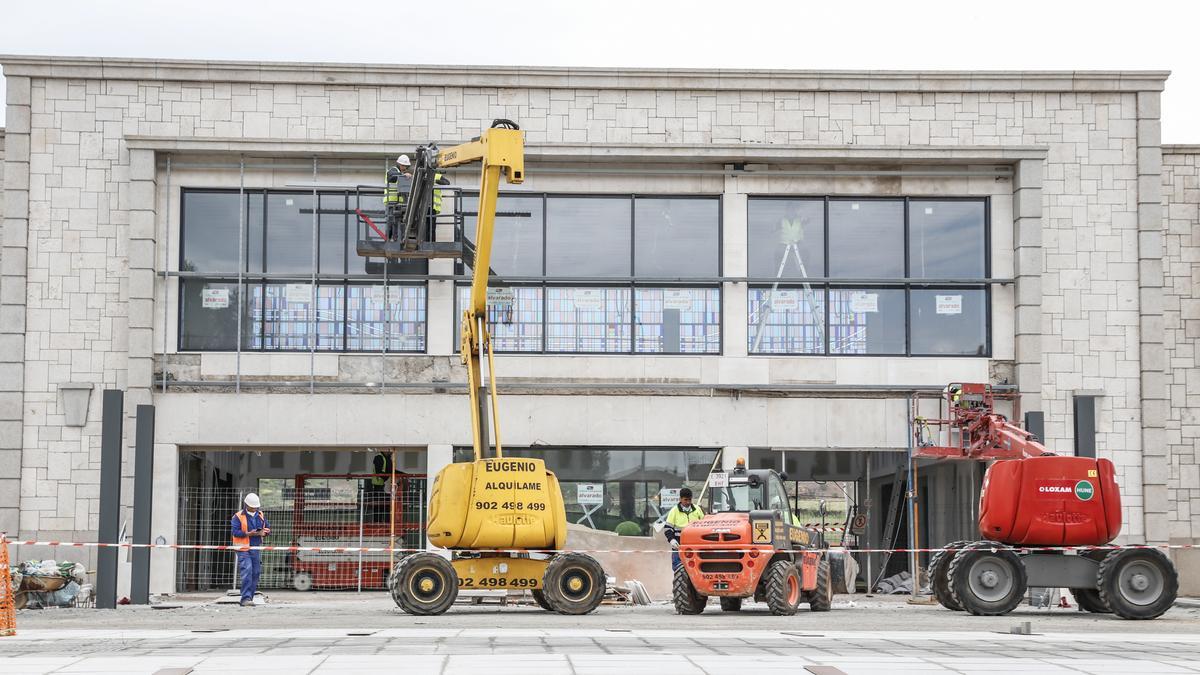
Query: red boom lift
point(1035, 510)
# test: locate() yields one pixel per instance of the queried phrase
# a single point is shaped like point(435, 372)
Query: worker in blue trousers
point(248, 527)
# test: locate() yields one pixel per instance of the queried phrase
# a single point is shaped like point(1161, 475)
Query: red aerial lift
point(1038, 513)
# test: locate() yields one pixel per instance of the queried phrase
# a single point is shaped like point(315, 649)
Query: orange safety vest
point(242, 541)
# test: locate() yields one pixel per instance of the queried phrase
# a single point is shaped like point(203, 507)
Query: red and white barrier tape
point(386, 549)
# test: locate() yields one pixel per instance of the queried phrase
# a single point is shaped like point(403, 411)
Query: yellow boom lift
point(502, 519)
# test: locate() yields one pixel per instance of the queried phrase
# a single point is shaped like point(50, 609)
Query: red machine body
point(1050, 501)
point(1031, 497)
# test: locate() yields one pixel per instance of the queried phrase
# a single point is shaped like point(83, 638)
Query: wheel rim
point(427, 585)
point(302, 582)
point(991, 579)
point(1140, 582)
point(576, 584)
point(793, 586)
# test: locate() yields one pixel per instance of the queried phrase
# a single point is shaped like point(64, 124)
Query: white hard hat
point(252, 501)
point(402, 160)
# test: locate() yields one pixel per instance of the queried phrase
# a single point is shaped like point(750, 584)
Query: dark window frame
point(259, 280)
point(908, 283)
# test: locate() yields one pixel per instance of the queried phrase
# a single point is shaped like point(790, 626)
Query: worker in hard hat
point(248, 527)
point(399, 178)
point(678, 517)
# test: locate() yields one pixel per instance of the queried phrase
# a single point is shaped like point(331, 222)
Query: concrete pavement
point(678, 650)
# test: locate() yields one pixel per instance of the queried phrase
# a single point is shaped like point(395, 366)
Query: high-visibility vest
point(391, 190)
point(437, 195)
point(241, 516)
point(678, 519)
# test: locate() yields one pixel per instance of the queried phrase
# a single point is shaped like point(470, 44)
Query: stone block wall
point(1181, 340)
point(83, 211)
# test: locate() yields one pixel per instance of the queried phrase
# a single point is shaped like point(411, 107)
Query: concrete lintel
point(595, 152)
point(572, 77)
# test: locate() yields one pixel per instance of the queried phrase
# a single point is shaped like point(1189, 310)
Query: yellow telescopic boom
point(501, 149)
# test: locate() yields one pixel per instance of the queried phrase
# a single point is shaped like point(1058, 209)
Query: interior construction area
point(344, 497)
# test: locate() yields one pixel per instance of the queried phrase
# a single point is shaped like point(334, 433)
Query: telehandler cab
point(751, 545)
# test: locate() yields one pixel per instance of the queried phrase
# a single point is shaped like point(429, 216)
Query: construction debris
point(48, 583)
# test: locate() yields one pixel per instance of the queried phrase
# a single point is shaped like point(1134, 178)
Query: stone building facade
point(1090, 251)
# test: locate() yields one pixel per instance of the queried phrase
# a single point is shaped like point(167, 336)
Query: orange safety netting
point(8, 610)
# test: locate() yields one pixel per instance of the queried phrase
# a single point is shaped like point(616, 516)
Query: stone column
point(143, 189)
point(1027, 267)
point(733, 264)
point(1152, 359)
point(13, 256)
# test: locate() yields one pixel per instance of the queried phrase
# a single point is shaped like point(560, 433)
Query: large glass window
point(678, 320)
point(514, 316)
point(591, 319)
point(517, 240)
point(581, 238)
point(611, 488)
point(902, 242)
point(588, 237)
point(278, 309)
point(951, 321)
point(676, 237)
point(786, 238)
point(787, 320)
point(866, 321)
point(866, 239)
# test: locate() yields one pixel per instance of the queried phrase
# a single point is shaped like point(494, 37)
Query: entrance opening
point(351, 497)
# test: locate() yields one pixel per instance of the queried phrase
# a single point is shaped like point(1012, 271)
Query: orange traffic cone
point(8, 609)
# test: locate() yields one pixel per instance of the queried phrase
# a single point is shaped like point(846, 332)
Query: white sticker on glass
point(588, 299)
point(214, 298)
point(677, 298)
point(785, 301)
point(298, 293)
point(864, 302)
point(948, 304)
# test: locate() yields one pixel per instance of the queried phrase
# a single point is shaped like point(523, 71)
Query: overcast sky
point(835, 34)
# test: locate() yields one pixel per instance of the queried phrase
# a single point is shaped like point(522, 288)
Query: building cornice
point(63, 67)
point(607, 152)
point(1181, 149)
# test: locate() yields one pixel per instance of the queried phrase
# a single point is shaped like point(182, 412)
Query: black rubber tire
point(416, 570)
point(1122, 602)
point(939, 566)
point(962, 567)
point(540, 598)
point(820, 599)
point(566, 569)
point(731, 604)
point(782, 588)
point(684, 595)
point(1089, 600)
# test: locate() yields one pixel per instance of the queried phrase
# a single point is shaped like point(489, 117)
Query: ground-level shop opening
point(830, 487)
point(336, 497)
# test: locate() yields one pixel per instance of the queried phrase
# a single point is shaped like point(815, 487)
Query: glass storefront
point(630, 482)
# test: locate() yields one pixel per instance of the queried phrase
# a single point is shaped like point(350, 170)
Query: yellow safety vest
point(437, 195)
point(678, 519)
point(391, 191)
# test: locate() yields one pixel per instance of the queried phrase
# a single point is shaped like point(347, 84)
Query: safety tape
point(387, 549)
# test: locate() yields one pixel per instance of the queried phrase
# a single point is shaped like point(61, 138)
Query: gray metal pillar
point(143, 501)
point(110, 497)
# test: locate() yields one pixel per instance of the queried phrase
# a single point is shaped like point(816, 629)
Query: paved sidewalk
point(629, 652)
